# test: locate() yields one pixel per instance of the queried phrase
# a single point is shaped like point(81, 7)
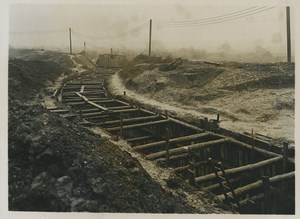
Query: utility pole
point(84, 46)
point(70, 33)
point(150, 34)
point(288, 31)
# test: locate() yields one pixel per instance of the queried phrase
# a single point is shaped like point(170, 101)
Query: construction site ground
point(246, 95)
point(58, 165)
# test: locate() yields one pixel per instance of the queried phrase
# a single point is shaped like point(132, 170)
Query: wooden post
point(252, 148)
point(191, 173)
point(167, 144)
point(285, 157)
point(84, 44)
point(288, 31)
point(150, 36)
point(70, 35)
point(121, 125)
point(218, 117)
point(205, 123)
point(267, 198)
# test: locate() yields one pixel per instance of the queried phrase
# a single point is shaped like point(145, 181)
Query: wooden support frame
point(258, 184)
point(185, 149)
point(172, 141)
point(137, 125)
point(249, 167)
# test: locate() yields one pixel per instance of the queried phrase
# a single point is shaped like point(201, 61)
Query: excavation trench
point(248, 175)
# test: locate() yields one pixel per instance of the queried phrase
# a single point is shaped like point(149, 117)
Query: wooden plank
point(119, 107)
point(232, 180)
point(258, 184)
point(60, 111)
point(125, 110)
point(189, 126)
point(107, 100)
point(253, 199)
point(97, 106)
point(91, 103)
point(172, 141)
point(137, 125)
point(249, 167)
point(185, 149)
point(174, 157)
point(134, 119)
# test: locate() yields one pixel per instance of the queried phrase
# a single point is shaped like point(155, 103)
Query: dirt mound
point(264, 90)
point(41, 55)
point(254, 76)
point(55, 165)
point(28, 77)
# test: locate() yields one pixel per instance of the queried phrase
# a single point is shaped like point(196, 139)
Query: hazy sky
point(267, 29)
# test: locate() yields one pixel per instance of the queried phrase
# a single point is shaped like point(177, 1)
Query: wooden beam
point(171, 141)
point(232, 180)
point(118, 107)
point(59, 111)
point(84, 83)
point(97, 106)
point(124, 111)
point(258, 184)
point(174, 157)
point(141, 138)
point(105, 101)
point(137, 125)
point(185, 149)
point(253, 199)
point(188, 125)
point(256, 149)
point(134, 119)
point(249, 167)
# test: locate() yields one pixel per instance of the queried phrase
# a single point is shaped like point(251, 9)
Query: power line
point(202, 23)
point(211, 18)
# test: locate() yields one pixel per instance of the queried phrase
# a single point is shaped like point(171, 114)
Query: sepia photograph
point(163, 107)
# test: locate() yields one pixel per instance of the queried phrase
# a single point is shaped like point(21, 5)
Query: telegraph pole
point(84, 46)
point(70, 34)
point(288, 31)
point(150, 33)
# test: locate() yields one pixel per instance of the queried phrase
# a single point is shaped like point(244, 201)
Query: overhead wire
point(213, 20)
point(210, 18)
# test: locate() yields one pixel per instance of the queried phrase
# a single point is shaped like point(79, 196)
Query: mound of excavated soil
point(28, 77)
point(57, 165)
point(246, 95)
point(38, 55)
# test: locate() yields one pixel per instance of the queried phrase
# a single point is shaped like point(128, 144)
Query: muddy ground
point(57, 165)
point(246, 95)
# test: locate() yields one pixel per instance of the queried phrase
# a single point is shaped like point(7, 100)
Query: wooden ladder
point(229, 194)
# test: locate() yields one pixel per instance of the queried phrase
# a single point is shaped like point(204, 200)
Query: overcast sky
point(266, 29)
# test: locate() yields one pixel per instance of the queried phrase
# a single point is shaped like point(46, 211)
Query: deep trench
point(259, 177)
